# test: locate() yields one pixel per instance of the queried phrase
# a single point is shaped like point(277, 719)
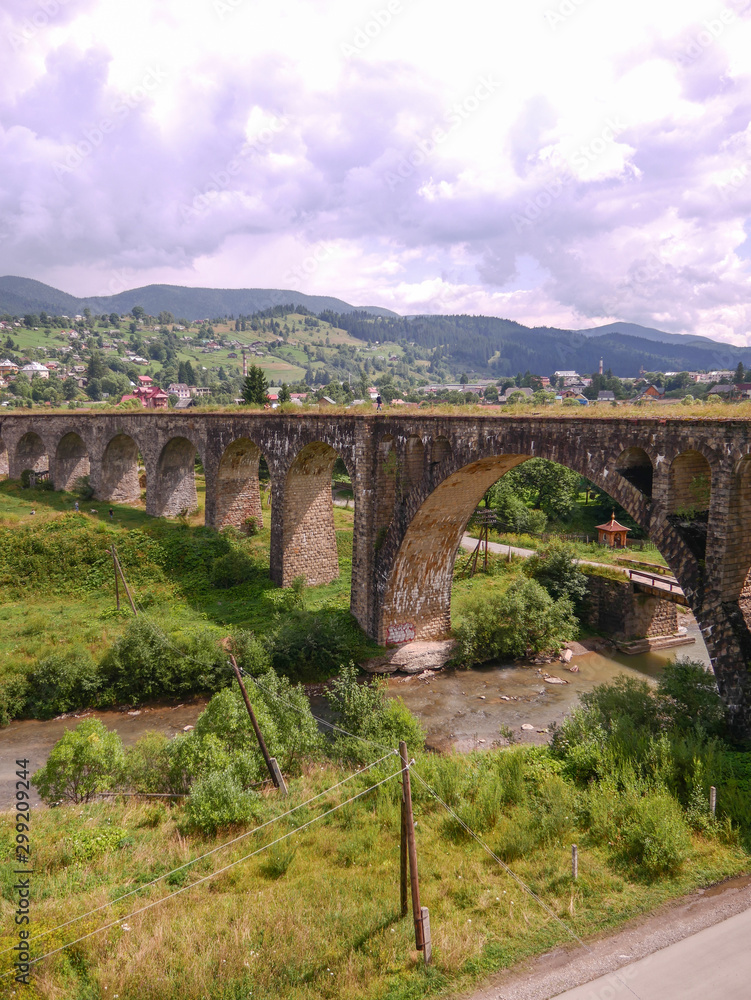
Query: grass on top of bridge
point(623, 410)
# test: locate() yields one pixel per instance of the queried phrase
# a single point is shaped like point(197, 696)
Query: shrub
point(145, 663)
point(219, 800)
point(233, 568)
point(310, 645)
point(366, 712)
point(692, 696)
point(655, 837)
point(87, 760)
point(147, 764)
point(62, 681)
point(506, 624)
point(555, 568)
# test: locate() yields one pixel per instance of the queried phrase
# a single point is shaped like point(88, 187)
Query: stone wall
point(614, 608)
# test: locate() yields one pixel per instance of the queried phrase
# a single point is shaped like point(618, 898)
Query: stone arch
point(308, 535)
point(71, 461)
point(385, 485)
point(736, 567)
point(174, 491)
point(119, 480)
point(635, 465)
point(418, 589)
point(689, 483)
point(440, 450)
point(238, 493)
point(416, 573)
point(4, 463)
point(414, 460)
point(689, 497)
point(31, 453)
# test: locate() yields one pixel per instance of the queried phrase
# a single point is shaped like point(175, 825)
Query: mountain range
point(479, 344)
point(19, 296)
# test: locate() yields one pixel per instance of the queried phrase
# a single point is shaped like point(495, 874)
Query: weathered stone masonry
point(416, 480)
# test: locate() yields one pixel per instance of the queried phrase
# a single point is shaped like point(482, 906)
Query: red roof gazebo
point(612, 534)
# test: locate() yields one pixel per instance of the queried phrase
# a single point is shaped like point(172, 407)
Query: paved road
point(714, 964)
point(693, 949)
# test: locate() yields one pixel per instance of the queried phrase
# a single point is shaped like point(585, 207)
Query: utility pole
point(408, 829)
point(125, 582)
point(117, 585)
point(271, 764)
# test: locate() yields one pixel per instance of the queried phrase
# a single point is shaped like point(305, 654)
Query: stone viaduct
point(416, 480)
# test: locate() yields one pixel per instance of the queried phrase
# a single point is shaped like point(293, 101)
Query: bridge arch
point(690, 483)
point(414, 462)
point(635, 466)
point(308, 542)
point(237, 488)
point(32, 453)
point(416, 572)
point(119, 481)
point(4, 462)
point(171, 491)
point(72, 461)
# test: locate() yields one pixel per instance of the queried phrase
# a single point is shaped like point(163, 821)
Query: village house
point(179, 389)
point(35, 370)
point(8, 367)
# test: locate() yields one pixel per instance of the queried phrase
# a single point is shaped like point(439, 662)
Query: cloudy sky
point(570, 162)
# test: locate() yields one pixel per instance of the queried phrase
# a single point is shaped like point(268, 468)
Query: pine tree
point(255, 387)
point(284, 393)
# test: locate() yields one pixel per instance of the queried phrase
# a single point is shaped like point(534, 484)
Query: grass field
point(318, 914)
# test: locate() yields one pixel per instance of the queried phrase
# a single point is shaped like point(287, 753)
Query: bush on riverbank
point(505, 624)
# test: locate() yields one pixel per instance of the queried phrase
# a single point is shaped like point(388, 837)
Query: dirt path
point(566, 968)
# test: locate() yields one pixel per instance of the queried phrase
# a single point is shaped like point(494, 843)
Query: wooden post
point(254, 723)
point(117, 585)
point(574, 862)
point(125, 582)
point(427, 946)
point(712, 799)
point(403, 857)
point(486, 547)
point(411, 846)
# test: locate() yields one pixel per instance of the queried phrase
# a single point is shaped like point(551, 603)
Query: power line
point(220, 871)
point(208, 854)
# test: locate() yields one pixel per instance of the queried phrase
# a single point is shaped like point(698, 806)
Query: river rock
point(527, 728)
point(412, 658)
point(566, 655)
point(550, 679)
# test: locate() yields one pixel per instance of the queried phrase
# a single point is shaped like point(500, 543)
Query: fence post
point(712, 799)
point(574, 862)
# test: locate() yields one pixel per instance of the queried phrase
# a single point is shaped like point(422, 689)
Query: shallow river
point(466, 709)
point(460, 708)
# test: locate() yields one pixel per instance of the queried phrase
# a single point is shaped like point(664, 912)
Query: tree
point(284, 393)
point(87, 760)
point(96, 367)
point(166, 318)
point(114, 319)
point(546, 485)
point(255, 387)
point(555, 568)
point(491, 393)
point(137, 312)
point(739, 373)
